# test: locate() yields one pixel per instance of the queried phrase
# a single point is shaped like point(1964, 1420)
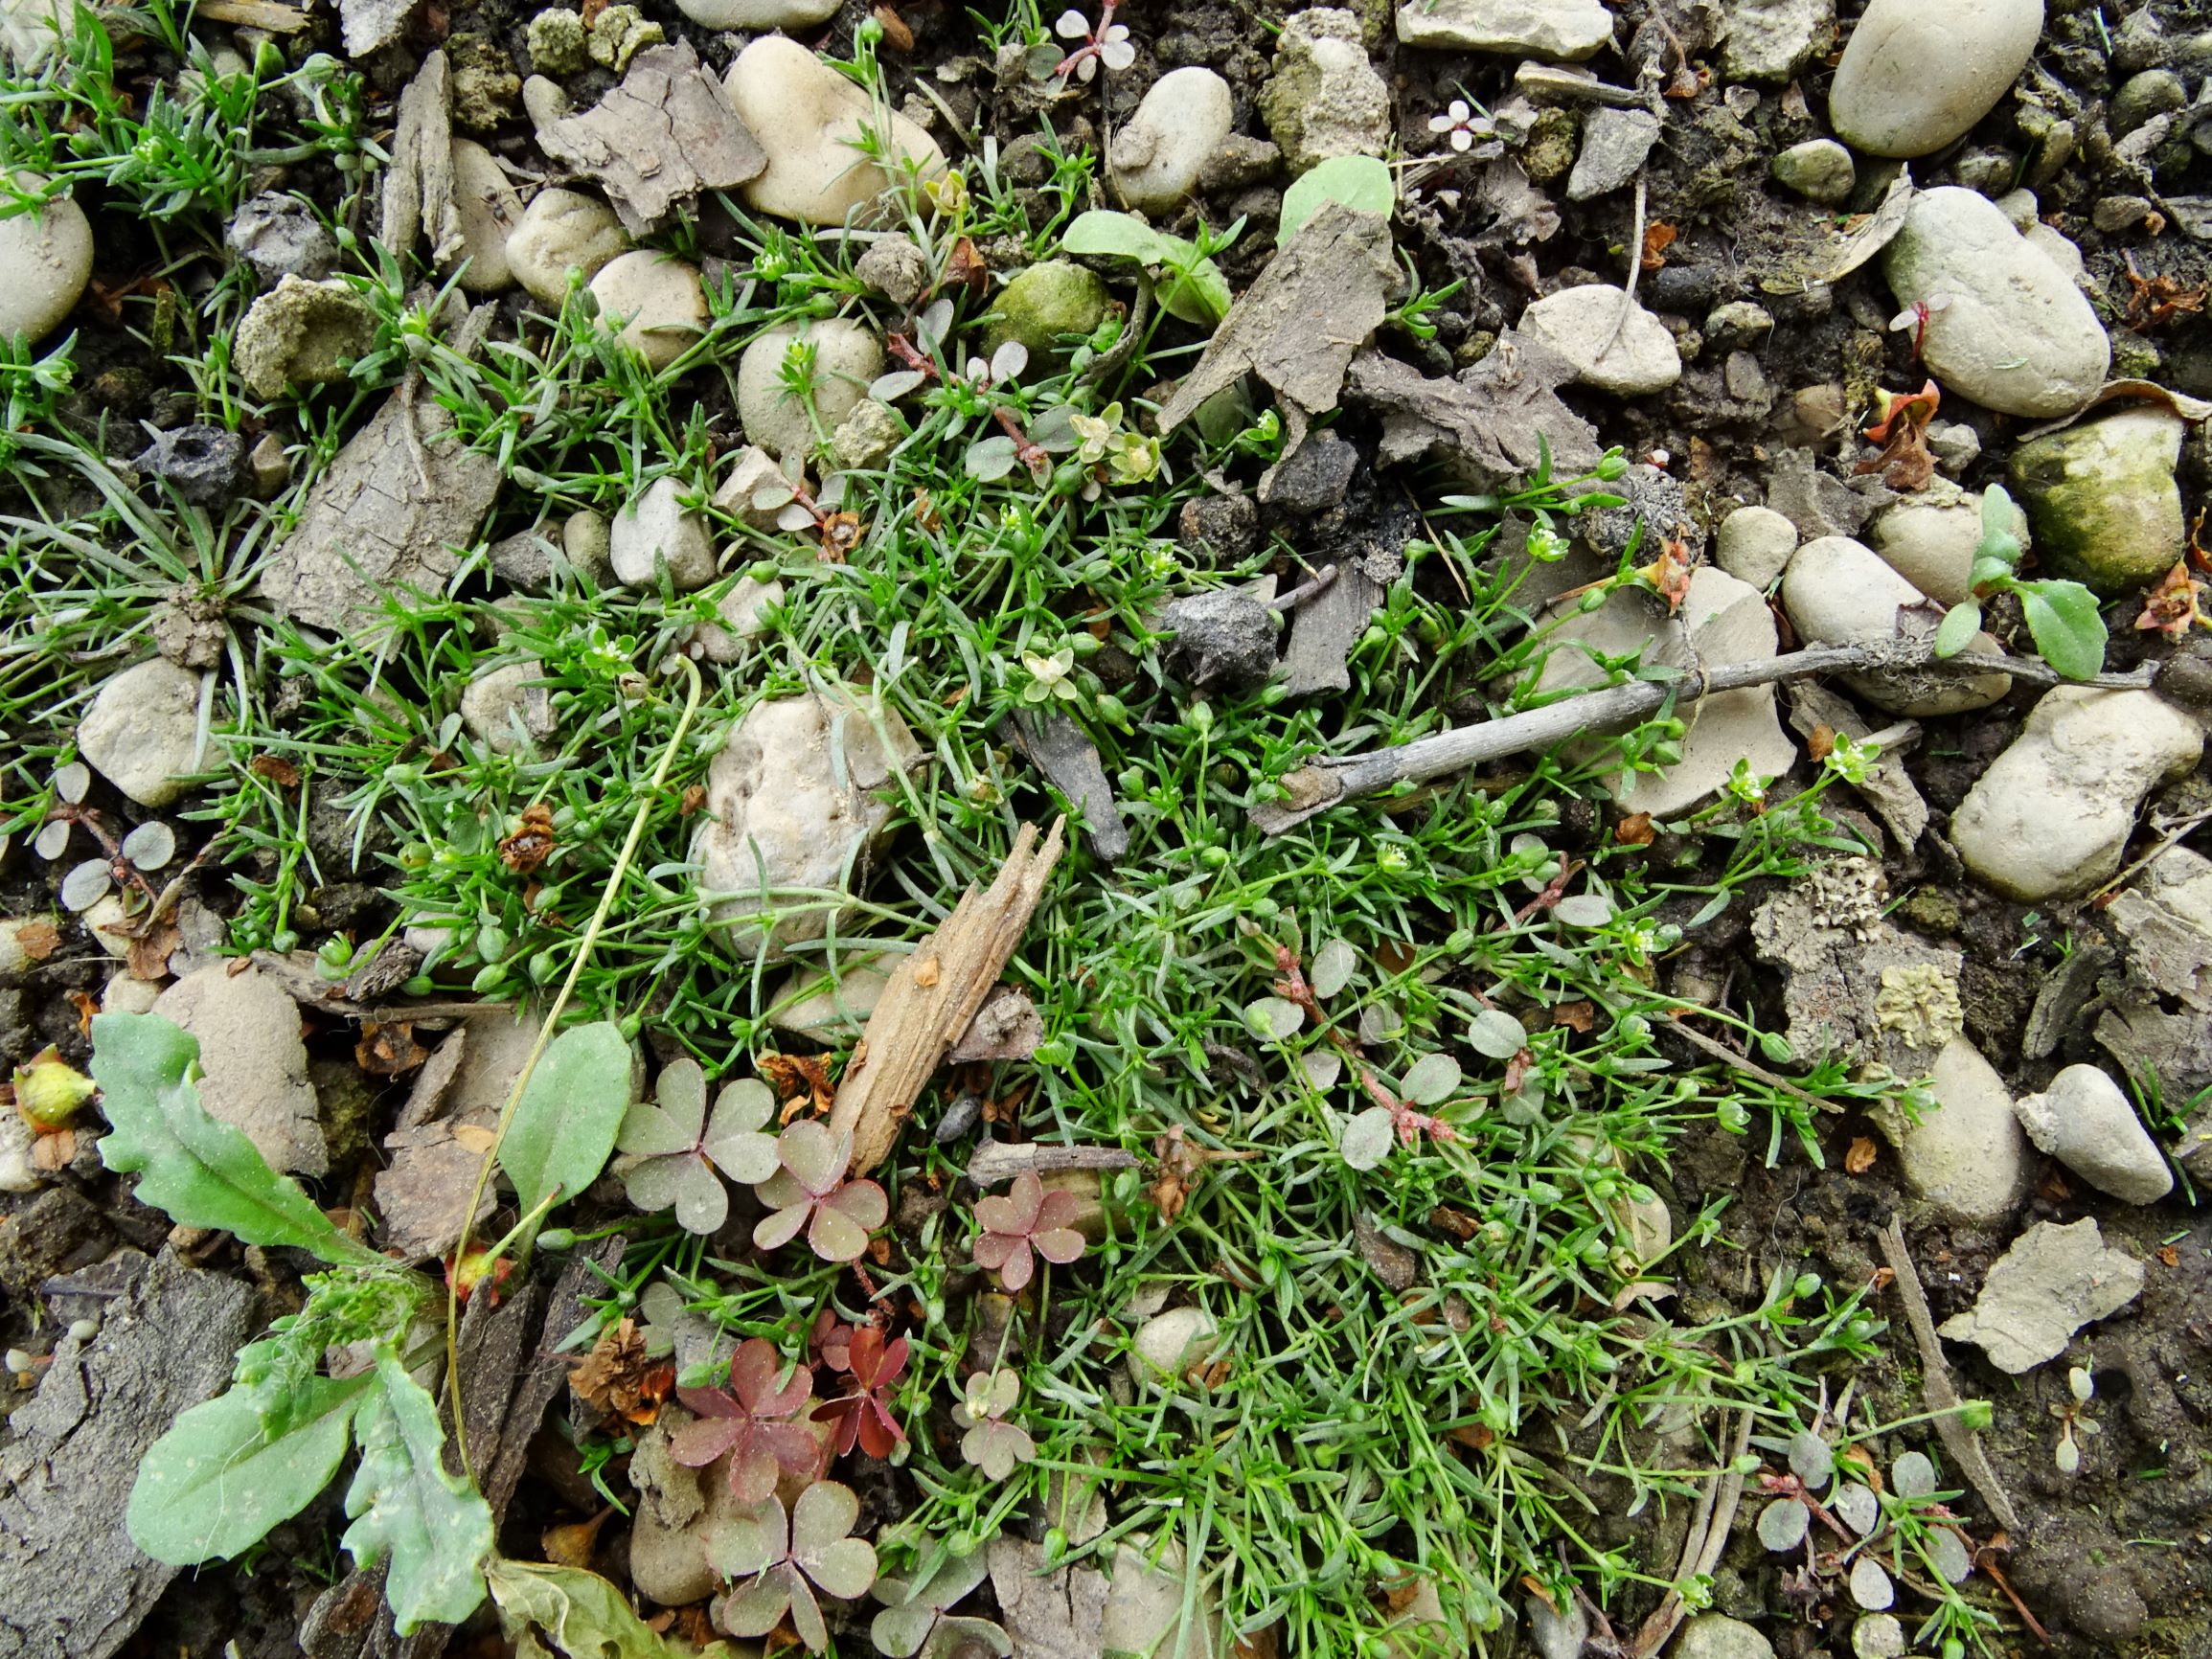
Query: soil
point(2113, 1560)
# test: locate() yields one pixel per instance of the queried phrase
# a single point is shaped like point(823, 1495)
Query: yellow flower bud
point(48, 1091)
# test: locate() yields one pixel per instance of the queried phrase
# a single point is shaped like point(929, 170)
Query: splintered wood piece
point(934, 997)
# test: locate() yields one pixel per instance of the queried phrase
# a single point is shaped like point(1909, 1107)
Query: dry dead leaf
point(572, 1545)
point(1658, 237)
point(896, 35)
point(37, 938)
point(801, 1081)
point(1860, 1158)
point(619, 1377)
point(389, 1050)
point(526, 851)
point(1582, 1016)
point(1635, 831)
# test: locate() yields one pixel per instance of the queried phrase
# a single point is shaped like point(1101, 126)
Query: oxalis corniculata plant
point(1388, 1085)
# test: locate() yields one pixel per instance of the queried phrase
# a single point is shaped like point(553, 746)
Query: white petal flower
point(1462, 140)
point(1441, 124)
point(1459, 109)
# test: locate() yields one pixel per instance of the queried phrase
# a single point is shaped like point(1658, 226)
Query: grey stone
point(1736, 324)
point(1311, 478)
point(508, 709)
point(2152, 93)
point(865, 438)
point(657, 529)
point(2051, 817)
point(847, 359)
point(301, 333)
point(1324, 98)
point(1816, 502)
point(1929, 536)
point(741, 617)
point(2012, 331)
point(1968, 1157)
point(1754, 545)
point(753, 470)
point(807, 117)
point(254, 1067)
point(658, 302)
point(757, 16)
point(1568, 30)
point(204, 465)
point(1839, 591)
point(2084, 1122)
point(1716, 1636)
point(142, 733)
point(1915, 76)
point(1580, 325)
point(1155, 157)
point(813, 1004)
point(2103, 500)
point(1768, 41)
point(490, 213)
point(545, 101)
point(1044, 301)
point(797, 803)
point(1556, 1635)
point(1169, 1344)
point(895, 267)
point(281, 236)
point(2051, 1282)
point(561, 231)
point(587, 539)
point(370, 25)
point(1615, 145)
point(1222, 527)
point(1225, 641)
point(1820, 169)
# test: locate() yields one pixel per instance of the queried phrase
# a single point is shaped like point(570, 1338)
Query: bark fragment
point(661, 137)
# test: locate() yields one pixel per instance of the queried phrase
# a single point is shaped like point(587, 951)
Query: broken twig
point(933, 996)
point(996, 1161)
point(1935, 1386)
point(1333, 780)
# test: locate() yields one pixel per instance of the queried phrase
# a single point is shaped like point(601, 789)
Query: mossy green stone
point(2103, 500)
point(1048, 300)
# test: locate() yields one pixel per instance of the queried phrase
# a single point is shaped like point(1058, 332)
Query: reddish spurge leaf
point(809, 1190)
point(1027, 1219)
point(864, 1414)
point(671, 1148)
point(785, 1559)
point(753, 1421)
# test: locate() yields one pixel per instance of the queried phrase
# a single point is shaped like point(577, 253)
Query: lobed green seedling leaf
point(198, 1168)
point(219, 1479)
point(434, 1528)
point(566, 1125)
point(1191, 285)
point(583, 1615)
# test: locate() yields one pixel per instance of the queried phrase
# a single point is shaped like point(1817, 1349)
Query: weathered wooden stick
point(1333, 781)
point(933, 996)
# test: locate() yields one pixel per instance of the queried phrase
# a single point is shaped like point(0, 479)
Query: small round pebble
point(658, 300)
point(45, 261)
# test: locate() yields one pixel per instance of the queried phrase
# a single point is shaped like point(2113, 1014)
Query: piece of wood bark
point(252, 14)
point(1324, 629)
point(933, 996)
point(386, 516)
point(72, 1583)
point(1064, 752)
point(1484, 424)
point(1935, 1387)
point(1297, 327)
point(996, 1161)
point(661, 137)
point(419, 184)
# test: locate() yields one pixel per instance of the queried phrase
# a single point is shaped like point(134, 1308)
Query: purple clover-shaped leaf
point(1027, 1219)
point(671, 1148)
point(992, 1443)
point(754, 1420)
point(787, 1557)
point(916, 1616)
point(809, 1191)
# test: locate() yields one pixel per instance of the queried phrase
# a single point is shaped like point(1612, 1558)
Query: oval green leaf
point(1357, 181)
point(564, 1128)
